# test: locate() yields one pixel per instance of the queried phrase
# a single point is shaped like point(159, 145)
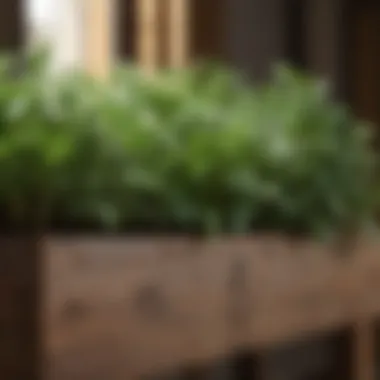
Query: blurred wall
point(58, 23)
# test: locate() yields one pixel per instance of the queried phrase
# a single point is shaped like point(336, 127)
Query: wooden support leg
point(194, 374)
point(20, 293)
point(364, 345)
point(247, 367)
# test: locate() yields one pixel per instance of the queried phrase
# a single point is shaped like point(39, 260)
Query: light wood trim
point(98, 36)
point(179, 14)
point(148, 34)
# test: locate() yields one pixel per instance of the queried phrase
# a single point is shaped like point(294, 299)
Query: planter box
point(122, 308)
point(119, 308)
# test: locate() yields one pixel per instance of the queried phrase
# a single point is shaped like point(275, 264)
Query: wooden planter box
point(122, 308)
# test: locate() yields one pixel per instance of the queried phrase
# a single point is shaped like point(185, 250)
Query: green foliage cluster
point(194, 150)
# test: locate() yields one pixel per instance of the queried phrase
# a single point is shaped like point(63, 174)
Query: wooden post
point(99, 36)
point(148, 34)
point(12, 36)
point(325, 40)
point(20, 308)
point(179, 14)
point(364, 355)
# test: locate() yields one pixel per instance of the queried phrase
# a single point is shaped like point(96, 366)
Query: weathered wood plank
point(142, 306)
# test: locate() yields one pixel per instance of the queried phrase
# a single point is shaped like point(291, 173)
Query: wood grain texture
point(122, 308)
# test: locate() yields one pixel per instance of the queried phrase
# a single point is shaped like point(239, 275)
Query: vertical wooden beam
point(256, 37)
point(179, 19)
point(365, 62)
point(99, 36)
point(20, 308)
point(163, 13)
point(363, 354)
point(249, 366)
point(148, 34)
point(125, 29)
point(325, 40)
point(12, 27)
point(195, 374)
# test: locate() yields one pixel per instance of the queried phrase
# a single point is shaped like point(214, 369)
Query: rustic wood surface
point(120, 308)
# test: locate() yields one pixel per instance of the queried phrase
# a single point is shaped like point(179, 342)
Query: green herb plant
point(195, 150)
